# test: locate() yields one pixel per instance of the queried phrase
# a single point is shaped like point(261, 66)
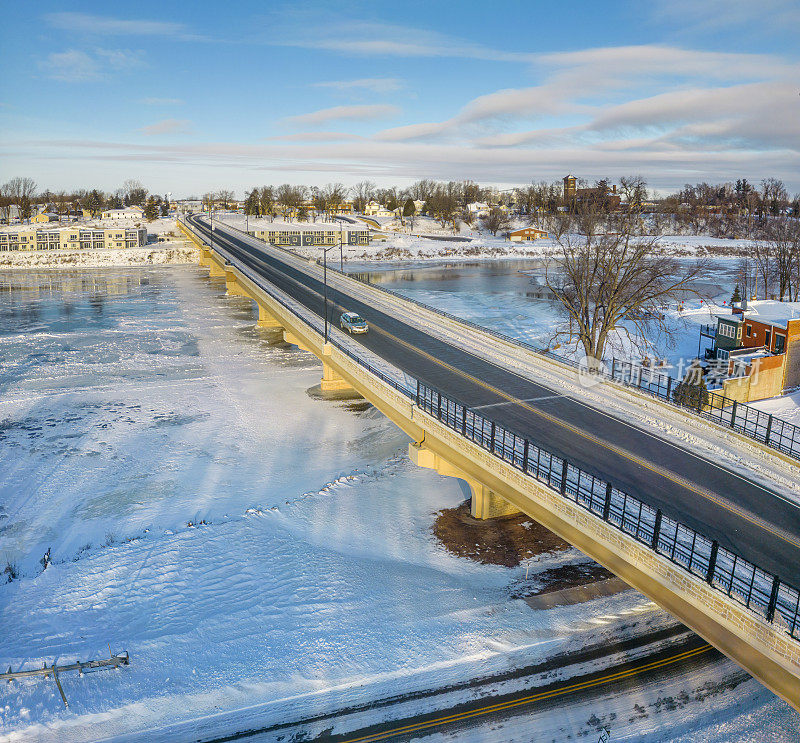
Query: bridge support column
point(205, 258)
point(232, 286)
point(485, 504)
point(214, 269)
point(267, 320)
point(331, 381)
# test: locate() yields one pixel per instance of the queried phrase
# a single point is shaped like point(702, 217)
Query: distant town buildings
point(73, 238)
point(309, 234)
point(602, 194)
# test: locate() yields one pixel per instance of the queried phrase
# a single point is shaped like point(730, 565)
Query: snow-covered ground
point(393, 244)
point(261, 555)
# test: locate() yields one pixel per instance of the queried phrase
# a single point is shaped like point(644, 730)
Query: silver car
point(353, 323)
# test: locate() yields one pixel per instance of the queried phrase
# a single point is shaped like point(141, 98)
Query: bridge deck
point(744, 516)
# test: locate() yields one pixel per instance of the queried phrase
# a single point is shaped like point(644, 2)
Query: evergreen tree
point(692, 391)
point(736, 297)
point(252, 204)
point(409, 208)
point(151, 209)
point(94, 202)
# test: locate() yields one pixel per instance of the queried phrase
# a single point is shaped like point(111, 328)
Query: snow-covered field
point(261, 555)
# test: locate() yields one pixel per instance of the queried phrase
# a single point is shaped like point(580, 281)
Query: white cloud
point(75, 65)
point(385, 39)
point(167, 126)
point(372, 84)
point(712, 15)
point(338, 113)
point(588, 82)
point(316, 137)
point(97, 25)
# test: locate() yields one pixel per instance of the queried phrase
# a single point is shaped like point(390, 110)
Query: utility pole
point(341, 248)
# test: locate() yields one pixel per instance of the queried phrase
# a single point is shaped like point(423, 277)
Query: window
point(767, 337)
point(726, 330)
point(780, 343)
point(749, 331)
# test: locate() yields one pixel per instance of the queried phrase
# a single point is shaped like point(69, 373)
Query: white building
point(129, 212)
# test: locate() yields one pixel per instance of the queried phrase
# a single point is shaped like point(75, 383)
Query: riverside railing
point(760, 591)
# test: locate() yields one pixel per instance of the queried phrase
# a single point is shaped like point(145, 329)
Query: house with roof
point(526, 234)
point(44, 217)
point(755, 352)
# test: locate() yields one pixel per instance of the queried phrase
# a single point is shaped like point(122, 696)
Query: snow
point(155, 253)
point(261, 555)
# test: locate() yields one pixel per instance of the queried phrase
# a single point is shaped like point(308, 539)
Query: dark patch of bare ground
point(501, 541)
point(508, 541)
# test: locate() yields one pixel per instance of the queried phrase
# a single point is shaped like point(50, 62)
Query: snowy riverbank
point(261, 555)
point(149, 255)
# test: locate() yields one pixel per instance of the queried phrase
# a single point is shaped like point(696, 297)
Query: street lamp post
point(325, 286)
point(341, 249)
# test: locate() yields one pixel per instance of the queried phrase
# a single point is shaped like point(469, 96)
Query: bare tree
point(334, 194)
point(266, 196)
point(782, 242)
point(362, 194)
point(611, 283)
point(496, 220)
point(225, 198)
point(135, 193)
point(746, 277)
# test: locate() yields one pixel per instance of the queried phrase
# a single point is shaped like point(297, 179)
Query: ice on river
point(252, 548)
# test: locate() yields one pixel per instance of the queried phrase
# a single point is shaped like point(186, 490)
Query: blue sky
point(193, 97)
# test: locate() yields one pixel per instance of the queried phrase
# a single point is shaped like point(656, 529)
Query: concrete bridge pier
point(215, 270)
point(267, 320)
point(484, 504)
point(233, 288)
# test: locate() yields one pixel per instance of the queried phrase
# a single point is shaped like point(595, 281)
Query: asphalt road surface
point(745, 517)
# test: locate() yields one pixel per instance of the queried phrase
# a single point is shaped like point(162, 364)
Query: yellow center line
point(727, 505)
point(677, 479)
point(553, 693)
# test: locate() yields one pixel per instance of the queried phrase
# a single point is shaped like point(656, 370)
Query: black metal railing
point(724, 570)
point(738, 416)
point(760, 591)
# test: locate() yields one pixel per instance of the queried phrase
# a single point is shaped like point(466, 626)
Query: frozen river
point(250, 547)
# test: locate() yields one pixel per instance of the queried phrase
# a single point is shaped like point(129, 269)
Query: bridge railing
point(744, 582)
point(738, 416)
point(724, 570)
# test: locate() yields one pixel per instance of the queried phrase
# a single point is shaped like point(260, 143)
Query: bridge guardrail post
point(656, 530)
point(607, 504)
point(564, 477)
point(712, 562)
point(773, 599)
point(491, 437)
point(525, 449)
point(769, 429)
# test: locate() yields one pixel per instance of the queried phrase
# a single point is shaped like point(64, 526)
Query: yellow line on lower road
point(553, 693)
point(677, 479)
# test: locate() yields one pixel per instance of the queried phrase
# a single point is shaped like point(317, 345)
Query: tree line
point(24, 194)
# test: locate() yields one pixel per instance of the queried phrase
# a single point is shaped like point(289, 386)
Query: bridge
point(712, 546)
